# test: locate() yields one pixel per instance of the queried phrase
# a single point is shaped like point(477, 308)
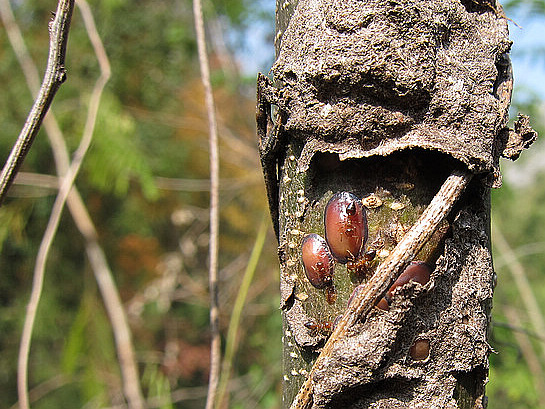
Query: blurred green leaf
point(115, 157)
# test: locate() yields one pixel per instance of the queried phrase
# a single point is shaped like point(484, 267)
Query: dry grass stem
point(215, 347)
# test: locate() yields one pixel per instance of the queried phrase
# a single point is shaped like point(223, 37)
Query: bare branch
point(55, 75)
point(45, 387)
point(44, 181)
point(49, 235)
point(215, 352)
point(110, 295)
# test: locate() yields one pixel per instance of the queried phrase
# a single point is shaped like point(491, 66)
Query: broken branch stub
point(384, 100)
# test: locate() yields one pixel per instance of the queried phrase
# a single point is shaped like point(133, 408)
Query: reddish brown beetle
point(420, 349)
point(317, 261)
point(416, 271)
point(345, 223)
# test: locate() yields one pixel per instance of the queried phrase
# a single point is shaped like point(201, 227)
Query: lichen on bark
point(384, 100)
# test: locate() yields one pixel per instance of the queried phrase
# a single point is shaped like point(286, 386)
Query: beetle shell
point(317, 261)
point(420, 350)
point(345, 223)
point(416, 271)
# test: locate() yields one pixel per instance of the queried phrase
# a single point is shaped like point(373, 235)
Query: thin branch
point(95, 254)
point(368, 294)
point(49, 182)
point(215, 347)
point(242, 150)
point(37, 180)
point(53, 131)
point(44, 388)
point(203, 185)
point(521, 251)
point(112, 301)
point(55, 75)
point(515, 328)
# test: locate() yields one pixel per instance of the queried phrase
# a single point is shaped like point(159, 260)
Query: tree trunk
point(384, 100)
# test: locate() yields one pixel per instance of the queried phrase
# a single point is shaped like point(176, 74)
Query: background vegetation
point(145, 185)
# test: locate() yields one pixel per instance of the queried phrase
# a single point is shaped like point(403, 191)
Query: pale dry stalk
point(215, 345)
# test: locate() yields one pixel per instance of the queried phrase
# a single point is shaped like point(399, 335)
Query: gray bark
point(384, 100)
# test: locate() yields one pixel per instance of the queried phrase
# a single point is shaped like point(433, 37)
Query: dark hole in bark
point(291, 77)
point(309, 354)
point(468, 386)
point(503, 66)
point(424, 170)
point(478, 6)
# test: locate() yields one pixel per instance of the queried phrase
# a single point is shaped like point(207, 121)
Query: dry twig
point(55, 75)
point(103, 275)
point(215, 352)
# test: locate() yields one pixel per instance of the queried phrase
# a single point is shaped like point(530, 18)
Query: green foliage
point(116, 157)
point(536, 6)
point(12, 221)
point(75, 342)
point(151, 123)
point(511, 383)
point(158, 385)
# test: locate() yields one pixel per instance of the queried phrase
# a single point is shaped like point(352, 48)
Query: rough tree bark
point(385, 100)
